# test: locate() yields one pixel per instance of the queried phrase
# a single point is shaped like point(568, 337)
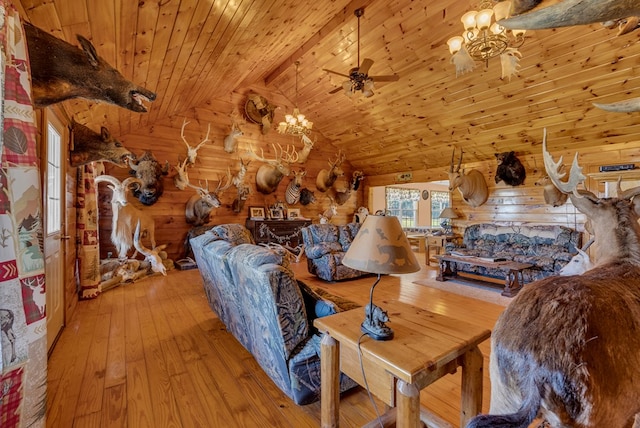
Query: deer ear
point(104, 132)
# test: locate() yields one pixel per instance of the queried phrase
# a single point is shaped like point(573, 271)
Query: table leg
point(472, 362)
point(329, 382)
point(408, 405)
point(511, 283)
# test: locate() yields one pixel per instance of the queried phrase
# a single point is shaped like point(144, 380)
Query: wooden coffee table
point(426, 347)
point(513, 280)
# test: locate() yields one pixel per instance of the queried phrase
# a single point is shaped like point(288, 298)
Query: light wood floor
point(152, 354)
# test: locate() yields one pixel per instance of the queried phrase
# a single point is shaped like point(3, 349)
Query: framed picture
point(293, 213)
point(276, 214)
point(256, 213)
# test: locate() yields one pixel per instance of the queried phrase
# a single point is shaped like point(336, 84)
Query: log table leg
point(329, 381)
point(472, 362)
point(408, 405)
point(512, 283)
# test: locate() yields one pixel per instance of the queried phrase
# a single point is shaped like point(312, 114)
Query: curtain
point(87, 225)
point(23, 331)
point(402, 194)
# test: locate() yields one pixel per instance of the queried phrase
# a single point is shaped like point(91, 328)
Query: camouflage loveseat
point(547, 247)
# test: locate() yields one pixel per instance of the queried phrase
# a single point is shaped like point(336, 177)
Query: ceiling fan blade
point(335, 72)
point(365, 66)
point(335, 90)
point(387, 78)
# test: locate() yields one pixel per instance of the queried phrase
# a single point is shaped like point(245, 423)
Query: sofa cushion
point(324, 233)
point(347, 233)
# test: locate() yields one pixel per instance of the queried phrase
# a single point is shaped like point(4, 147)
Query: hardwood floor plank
point(114, 406)
point(182, 368)
point(139, 407)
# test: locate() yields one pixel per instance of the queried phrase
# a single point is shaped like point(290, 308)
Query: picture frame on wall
point(293, 213)
point(256, 213)
point(276, 214)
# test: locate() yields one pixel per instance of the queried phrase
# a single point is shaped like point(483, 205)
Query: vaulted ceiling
point(193, 51)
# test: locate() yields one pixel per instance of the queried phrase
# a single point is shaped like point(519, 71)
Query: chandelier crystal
point(483, 38)
point(295, 123)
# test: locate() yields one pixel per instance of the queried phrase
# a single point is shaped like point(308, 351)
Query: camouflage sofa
point(547, 247)
point(256, 295)
point(325, 246)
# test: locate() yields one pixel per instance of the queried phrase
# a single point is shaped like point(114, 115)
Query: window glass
point(439, 201)
point(53, 180)
point(403, 203)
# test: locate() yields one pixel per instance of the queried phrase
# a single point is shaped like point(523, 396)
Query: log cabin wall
point(164, 140)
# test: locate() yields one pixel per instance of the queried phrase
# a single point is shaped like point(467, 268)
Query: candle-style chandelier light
point(295, 123)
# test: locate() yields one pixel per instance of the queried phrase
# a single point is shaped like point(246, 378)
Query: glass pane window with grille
point(439, 201)
point(54, 208)
point(403, 203)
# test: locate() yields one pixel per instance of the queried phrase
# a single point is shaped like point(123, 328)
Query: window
point(403, 203)
point(439, 201)
point(54, 208)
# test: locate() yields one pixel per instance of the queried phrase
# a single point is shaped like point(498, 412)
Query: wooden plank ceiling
point(194, 51)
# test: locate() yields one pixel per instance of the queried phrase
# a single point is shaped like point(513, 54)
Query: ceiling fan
point(359, 79)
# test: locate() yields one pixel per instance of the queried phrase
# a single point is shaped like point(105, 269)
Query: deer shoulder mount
point(510, 169)
point(273, 170)
point(242, 188)
point(472, 185)
point(200, 205)
point(89, 146)
point(587, 388)
point(326, 177)
point(61, 71)
point(552, 195)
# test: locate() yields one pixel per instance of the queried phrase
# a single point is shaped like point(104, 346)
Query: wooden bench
point(513, 280)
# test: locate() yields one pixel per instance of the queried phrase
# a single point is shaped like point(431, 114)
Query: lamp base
point(374, 323)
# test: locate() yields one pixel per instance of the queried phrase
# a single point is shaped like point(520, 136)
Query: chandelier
point(483, 38)
point(295, 123)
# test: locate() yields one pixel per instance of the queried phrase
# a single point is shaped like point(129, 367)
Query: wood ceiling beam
point(338, 20)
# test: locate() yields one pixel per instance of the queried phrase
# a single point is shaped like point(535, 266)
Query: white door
point(55, 136)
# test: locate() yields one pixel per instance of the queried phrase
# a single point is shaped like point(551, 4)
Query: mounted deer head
point(304, 153)
point(326, 178)
point(472, 186)
point(192, 152)
point(270, 174)
point(199, 206)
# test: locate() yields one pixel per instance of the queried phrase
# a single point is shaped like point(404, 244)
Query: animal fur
point(510, 169)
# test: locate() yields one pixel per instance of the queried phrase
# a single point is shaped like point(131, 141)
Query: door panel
point(55, 137)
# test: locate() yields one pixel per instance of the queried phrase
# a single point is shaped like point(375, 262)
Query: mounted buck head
point(89, 146)
point(472, 186)
point(231, 140)
point(199, 206)
point(308, 145)
point(149, 171)
point(271, 173)
point(181, 178)
point(61, 71)
point(552, 196)
point(326, 178)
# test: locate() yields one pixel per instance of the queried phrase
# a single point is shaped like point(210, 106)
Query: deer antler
point(575, 174)
point(192, 152)
point(150, 255)
point(201, 190)
point(219, 187)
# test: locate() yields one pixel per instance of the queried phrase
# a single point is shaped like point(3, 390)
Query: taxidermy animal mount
point(61, 71)
point(271, 173)
point(259, 111)
point(472, 186)
point(149, 171)
point(326, 178)
point(510, 169)
point(89, 146)
point(199, 206)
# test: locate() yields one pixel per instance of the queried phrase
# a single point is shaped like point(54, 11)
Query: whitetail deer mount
point(326, 178)
point(274, 170)
point(199, 206)
point(472, 186)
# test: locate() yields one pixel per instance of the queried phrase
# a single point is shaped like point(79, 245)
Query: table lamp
point(380, 247)
point(447, 214)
